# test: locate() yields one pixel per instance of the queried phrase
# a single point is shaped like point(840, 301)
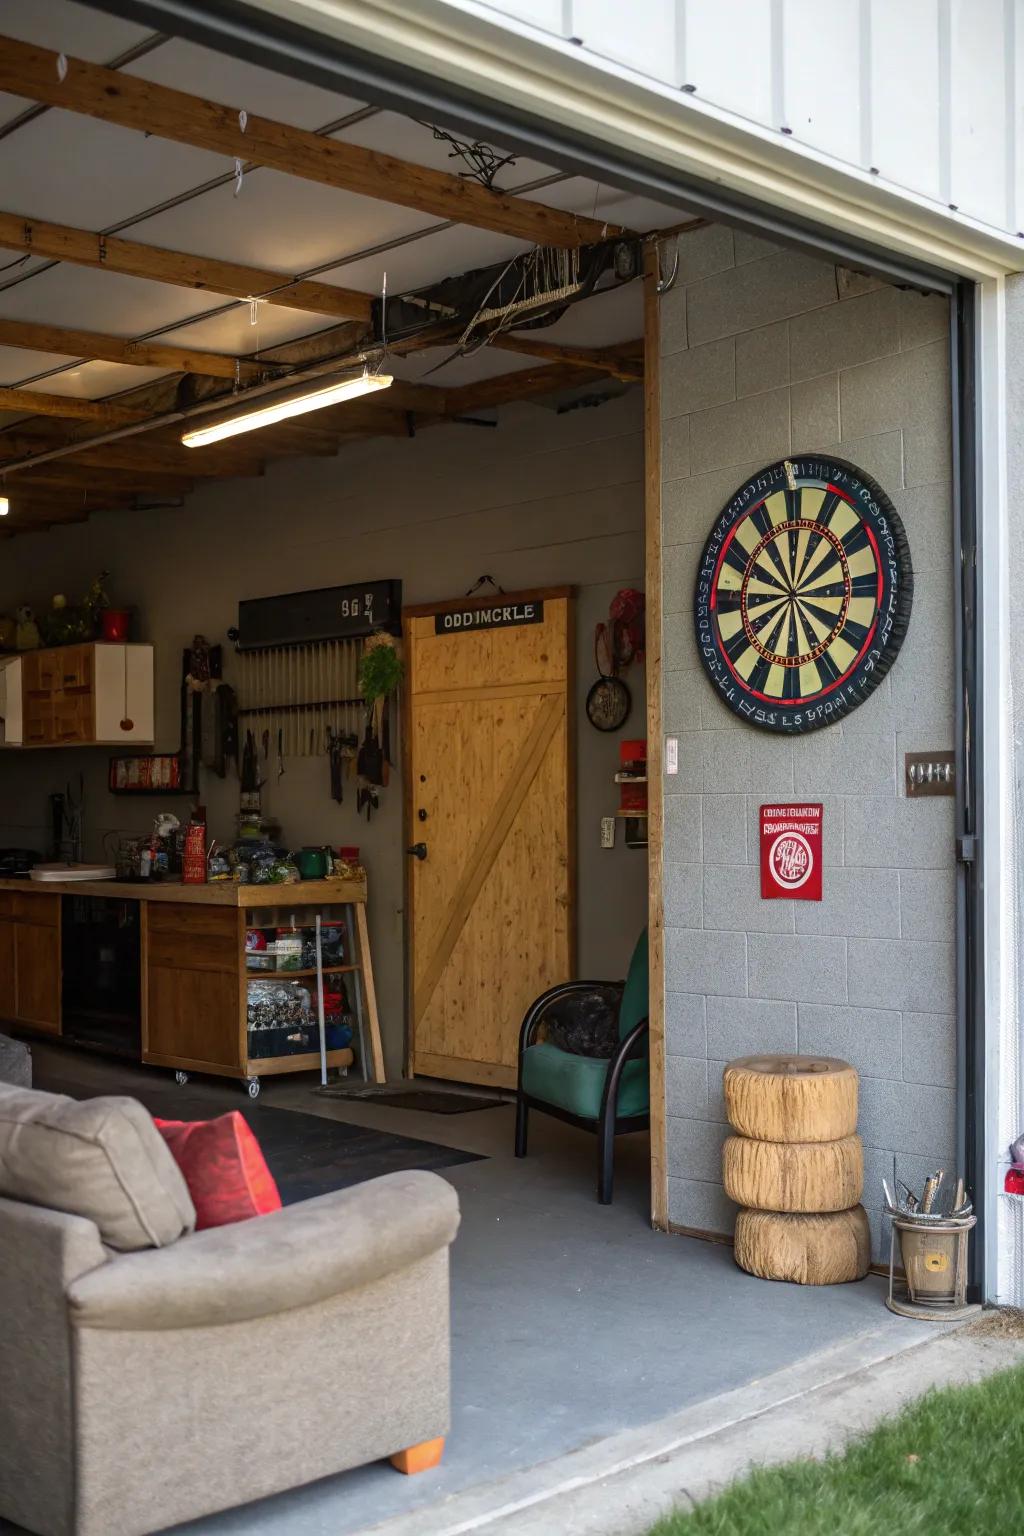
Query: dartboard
point(803, 594)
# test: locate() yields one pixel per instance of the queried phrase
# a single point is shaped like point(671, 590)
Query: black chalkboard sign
point(498, 615)
point(325, 613)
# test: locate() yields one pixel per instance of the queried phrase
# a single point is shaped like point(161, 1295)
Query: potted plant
point(109, 623)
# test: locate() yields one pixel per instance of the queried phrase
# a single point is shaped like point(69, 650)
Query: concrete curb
point(621, 1485)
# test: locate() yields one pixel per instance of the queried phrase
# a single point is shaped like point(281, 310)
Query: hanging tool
point(931, 1189)
point(225, 730)
point(266, 745)
point(336, 763)
point(73, 818)
point(280, 753)
point(57, 812)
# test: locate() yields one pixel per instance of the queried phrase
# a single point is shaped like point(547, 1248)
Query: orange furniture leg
point(419, 1458)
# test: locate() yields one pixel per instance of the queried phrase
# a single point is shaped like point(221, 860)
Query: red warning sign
point(791, 852)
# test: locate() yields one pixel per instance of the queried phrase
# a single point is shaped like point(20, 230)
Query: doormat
point(320, 1155)
point(429, 1101)
point(307, 1154)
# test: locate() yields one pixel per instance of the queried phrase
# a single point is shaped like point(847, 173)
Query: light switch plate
point(607, 831)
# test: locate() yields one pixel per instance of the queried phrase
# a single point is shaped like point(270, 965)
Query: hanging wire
point(666, 284)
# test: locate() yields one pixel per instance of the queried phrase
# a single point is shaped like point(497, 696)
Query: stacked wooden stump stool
point(796, 1167)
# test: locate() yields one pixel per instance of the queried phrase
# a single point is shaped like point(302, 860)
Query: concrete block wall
point(768, 352)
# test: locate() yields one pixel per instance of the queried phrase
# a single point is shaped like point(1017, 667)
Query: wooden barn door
point(489, 817)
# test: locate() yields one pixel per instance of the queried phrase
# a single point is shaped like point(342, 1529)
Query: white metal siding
point(906, 126)
point(729, 42)
point(821, 91)
point(927, 94)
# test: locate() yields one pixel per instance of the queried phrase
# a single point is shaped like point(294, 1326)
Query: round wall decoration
point(803, 594)
point(608, 704)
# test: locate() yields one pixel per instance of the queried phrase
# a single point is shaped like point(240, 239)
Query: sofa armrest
point(290, 1258)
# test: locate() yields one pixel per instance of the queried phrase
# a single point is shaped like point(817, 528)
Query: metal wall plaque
point(930, 773)
point(803, 594)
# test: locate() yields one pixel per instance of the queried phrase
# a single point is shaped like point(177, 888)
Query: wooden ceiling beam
point(507, 387)
point(41, 519)
point(103, 413)
point(109, 253)
point(143, 456)
point(122, 482)
point(94, 345)
point(318, 347)
point(620, 362)
point(131, 102)
point(369, 421)
point(147, 457)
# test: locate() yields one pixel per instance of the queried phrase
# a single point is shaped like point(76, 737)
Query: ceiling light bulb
point(281, 410)
point(5, 506)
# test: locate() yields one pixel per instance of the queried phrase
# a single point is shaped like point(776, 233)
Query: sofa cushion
point(224, 1168)
point(99, 1158)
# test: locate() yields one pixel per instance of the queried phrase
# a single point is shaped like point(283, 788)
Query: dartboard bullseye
point(803, 594)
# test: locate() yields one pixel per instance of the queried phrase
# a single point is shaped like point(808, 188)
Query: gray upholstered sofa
point(152, 1374)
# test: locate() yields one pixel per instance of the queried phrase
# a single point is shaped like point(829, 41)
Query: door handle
point(418, 850)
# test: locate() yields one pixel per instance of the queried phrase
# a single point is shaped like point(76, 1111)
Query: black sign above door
point(456, 621)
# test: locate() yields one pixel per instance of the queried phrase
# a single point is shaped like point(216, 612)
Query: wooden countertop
point(220, 893)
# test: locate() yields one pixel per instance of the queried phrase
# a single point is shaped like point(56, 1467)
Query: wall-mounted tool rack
point(304, 691)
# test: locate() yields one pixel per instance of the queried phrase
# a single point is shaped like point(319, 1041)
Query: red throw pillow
point(226, 1173)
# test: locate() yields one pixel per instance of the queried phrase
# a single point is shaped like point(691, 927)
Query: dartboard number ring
point(804, 593)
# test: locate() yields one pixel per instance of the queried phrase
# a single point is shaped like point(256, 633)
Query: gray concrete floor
point(570, 1321)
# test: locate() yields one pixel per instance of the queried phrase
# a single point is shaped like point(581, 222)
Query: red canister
point(193, 862)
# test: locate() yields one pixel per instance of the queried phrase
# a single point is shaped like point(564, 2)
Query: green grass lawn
point(950, 1465)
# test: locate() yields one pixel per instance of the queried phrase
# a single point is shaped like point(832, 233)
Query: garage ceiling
point(107, 328)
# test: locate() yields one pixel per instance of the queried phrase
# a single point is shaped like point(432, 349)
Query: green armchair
point(609, 1096)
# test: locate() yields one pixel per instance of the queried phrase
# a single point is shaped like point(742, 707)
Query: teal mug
point(313, 863)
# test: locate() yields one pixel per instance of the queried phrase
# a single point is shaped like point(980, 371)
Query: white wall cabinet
point(78, 695)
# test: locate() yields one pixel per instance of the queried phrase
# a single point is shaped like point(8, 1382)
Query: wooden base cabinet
point(30, 960)
point(190, 1013)
point(196, 980)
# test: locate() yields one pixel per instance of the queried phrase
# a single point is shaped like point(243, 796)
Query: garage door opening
point(589, 391)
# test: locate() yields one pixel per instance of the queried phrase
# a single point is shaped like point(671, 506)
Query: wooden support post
point(655, 806)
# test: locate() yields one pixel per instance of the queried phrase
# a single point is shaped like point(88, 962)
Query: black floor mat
point(429, 1101)
point(307, 1154)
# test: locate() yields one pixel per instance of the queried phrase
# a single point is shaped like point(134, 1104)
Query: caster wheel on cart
point(181, 1078)
point(253, 1086)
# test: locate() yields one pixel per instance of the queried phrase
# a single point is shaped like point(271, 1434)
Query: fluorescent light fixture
point(5, 506)
point(291, 405)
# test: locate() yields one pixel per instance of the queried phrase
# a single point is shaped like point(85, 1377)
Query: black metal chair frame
point(609, 1124)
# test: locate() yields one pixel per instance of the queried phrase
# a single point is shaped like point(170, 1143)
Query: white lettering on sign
point(791, 851)
point(500, 616)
